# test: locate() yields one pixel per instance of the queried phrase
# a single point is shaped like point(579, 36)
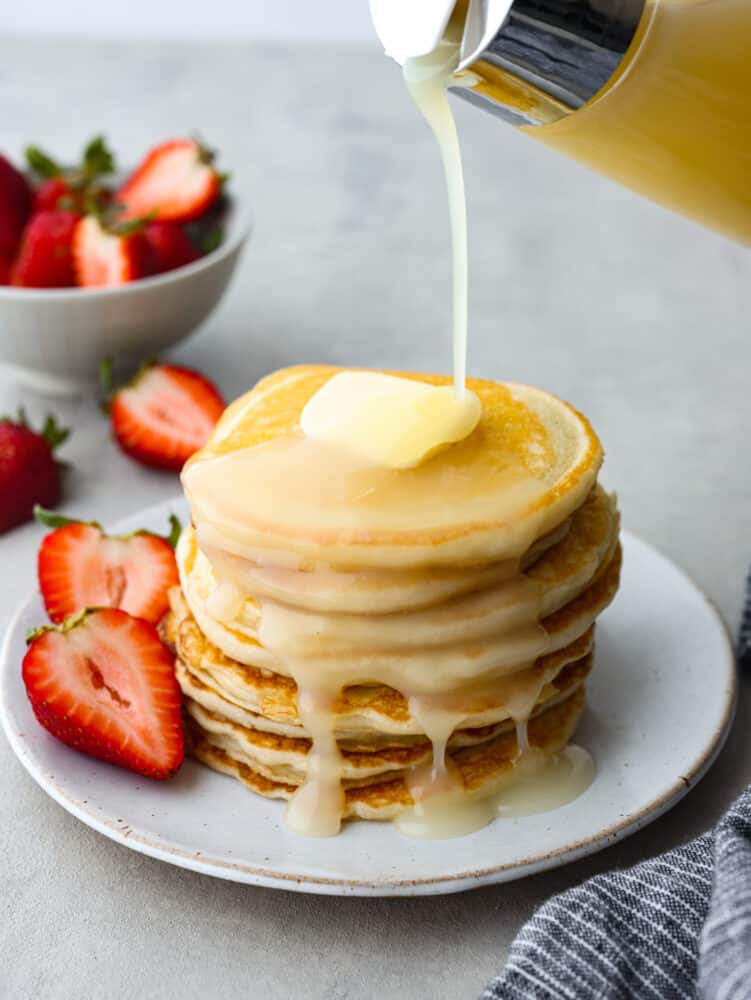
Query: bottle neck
point(549, 57)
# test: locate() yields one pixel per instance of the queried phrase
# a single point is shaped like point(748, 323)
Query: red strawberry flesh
point(105, 685)
point(79, 567)
point(176, 182)
point(165, 415)
point(104, 258)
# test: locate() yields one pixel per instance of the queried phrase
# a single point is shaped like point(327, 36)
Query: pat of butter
point(388, 421)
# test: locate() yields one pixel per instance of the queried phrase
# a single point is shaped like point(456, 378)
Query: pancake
point(284, 758)
point(448, 667)
point(369, 591)
point(481, 768)
point(527, 466)
point(261, 699)
point(551, 581)
point(367, 634)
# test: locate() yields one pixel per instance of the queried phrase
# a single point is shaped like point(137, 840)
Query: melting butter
point(386, 420)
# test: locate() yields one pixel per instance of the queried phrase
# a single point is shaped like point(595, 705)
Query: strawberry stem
point(70, 623)
point(206, 154)
point(97, 158)
point(53, 434)
point(175, 530)
point(34, 633)
point(105, 380)
point(171, 539)
point(41, 163)
point(51, 519)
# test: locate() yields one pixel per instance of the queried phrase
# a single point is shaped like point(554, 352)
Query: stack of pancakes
point(335, 623)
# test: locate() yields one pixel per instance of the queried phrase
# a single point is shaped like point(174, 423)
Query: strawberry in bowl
point(91, 267)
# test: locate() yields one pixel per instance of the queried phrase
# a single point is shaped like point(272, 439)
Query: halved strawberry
point(165, 415)
point(80, 567)
point(105, 257)
point(176, 182)
point(104, 683)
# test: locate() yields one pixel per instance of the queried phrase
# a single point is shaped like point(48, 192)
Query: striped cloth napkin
point(677, 926)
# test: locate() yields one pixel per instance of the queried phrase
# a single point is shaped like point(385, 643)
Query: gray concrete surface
point(639, 318)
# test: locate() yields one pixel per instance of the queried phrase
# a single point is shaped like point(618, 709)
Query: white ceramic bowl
point(54, 338)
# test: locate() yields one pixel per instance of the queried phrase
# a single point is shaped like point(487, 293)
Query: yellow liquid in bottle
point(674, 123)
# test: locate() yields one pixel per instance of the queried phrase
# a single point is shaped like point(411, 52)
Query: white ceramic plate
point(661, 700)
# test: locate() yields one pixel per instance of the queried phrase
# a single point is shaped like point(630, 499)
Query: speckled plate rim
point(124, 834)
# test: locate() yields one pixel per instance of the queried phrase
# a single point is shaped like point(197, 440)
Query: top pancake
point(263, 491)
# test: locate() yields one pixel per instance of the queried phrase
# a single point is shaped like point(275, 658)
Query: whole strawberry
point(73, 189)
point(45, 259)
point(29, 474)
point(170, 246)
point(15, 207)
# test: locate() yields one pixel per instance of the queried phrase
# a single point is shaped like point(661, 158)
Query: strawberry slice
point(79, 566)
point(104, 683)
point(45, 257)
point(176, 182)
point(106, 257)
point(164, 415)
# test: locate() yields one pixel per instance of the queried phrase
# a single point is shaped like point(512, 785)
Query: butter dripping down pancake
point(360, 591)
point(284, 758)
point(556, 577)
point(527, 466)
point(261, 699)
point(482, 768)
point(448, 668)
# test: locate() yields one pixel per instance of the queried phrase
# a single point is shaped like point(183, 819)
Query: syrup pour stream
point(427, 78)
